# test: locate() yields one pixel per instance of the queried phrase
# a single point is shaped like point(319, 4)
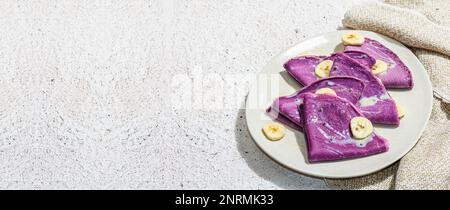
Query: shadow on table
point(266, 168)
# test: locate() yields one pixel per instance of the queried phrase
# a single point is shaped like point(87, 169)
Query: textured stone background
point(84, 91)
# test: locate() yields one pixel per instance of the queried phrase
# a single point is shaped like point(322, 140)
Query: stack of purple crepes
point(358, 92)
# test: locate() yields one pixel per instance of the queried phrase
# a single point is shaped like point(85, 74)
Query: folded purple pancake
point(282, 119)
point(286, 107)
point(302, 68)
point(362, 57)
point(398, 74)
point(327, 130)
point(375, 103)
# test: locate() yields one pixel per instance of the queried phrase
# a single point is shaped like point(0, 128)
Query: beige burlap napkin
point(423, 25)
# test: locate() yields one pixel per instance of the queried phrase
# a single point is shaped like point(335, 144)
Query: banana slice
point(323, 69)
point(326, 91)
point(361, 127)
point(401, 111)
point(352, 39)
point(379, 67)
point(274, 131)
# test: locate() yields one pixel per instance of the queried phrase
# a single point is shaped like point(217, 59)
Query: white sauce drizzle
point(346, 135)
point(372, 100)
point(368, 101)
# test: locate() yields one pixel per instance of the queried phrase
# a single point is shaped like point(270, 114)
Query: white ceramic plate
point(274, 81)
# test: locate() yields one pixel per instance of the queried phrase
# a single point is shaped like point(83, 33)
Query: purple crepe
point(375, 103)
point(282, 119)
point(302, 68)
point(398, 74)
point(286, 107)
point(362, 57)
point(327, 130)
